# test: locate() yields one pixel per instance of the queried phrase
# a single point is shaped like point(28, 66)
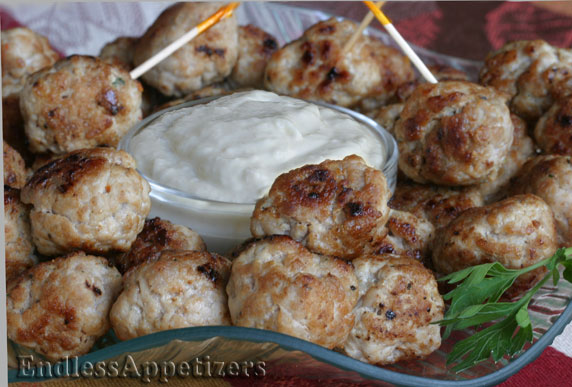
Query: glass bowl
point(224, 225)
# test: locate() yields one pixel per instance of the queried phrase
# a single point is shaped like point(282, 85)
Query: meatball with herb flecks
point(553, 131)
point(23, 53)
point(337, 207)
point(80, 102)
point(408, 235)
point(92, 200)
point(61, 307)
point(453, 133)
point(279, 285)
point(180, 289)
point(517, 232)
point(550, 177)
point(207, 59)
point(315, 67)
point(520, 151)
point(158, 235)
point(255, 46)
point(398, 302)
point(15, 173)
point(438, 205)
point(19, 248)
point(119, 52)
point(528, 71)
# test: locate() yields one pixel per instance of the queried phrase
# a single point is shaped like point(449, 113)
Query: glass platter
point(286, 356)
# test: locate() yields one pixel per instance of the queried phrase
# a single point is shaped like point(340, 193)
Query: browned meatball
point(314, 67)
point(438, 205)
point(23, 52)
point(527, 70)
point(521, 149)
point(61, 307)
point(119, 52)
point(277, 284)
point(517, 232)
point(207, 59)
point(180, 289)
point(336, 207)
point(80, 102)
point(158, 235)
point(453, 133)
point(15, 173)
point(553, 132)
point(18, 244)
point(92, 200)
point(388, 115)
point(255, 47)
point(550, 177)
point(408, 235)
point(398, 302)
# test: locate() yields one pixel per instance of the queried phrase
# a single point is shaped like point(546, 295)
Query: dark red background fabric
point(467, 29)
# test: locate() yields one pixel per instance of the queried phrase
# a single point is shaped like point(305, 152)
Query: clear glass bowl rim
point(165, 193)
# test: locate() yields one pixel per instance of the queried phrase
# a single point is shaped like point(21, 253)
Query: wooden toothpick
point(363, 25)
point(401, 42)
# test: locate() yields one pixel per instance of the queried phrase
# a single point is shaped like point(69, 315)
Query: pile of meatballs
point(335, 258)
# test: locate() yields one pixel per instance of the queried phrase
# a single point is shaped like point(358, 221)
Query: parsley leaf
point(475, 302)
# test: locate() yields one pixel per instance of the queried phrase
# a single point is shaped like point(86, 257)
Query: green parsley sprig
point(475, 301)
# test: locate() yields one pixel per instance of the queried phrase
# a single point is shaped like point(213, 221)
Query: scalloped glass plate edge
point(338, 360)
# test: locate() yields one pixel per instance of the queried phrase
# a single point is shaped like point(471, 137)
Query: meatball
point(61, 307)
point(315, 68)
point(119, 52)
point(180, 289)
point(453, 133)
point(438, 205)
point(553, 132)
point(550, 177)
point(517, 232)
point(335, 207)
point(80, 102)
point(15, 173)
point(255, 47)
point(398, 302)
point(277, 284)
point(18, 244)
point(388, 115)
point(208, 58)
point(23, 52)
point(92, 200)
point(521, 149)
point(408, 235)
point(158, 235)
point(527, 70)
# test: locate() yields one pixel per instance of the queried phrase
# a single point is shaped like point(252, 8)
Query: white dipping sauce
point(233, 148)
